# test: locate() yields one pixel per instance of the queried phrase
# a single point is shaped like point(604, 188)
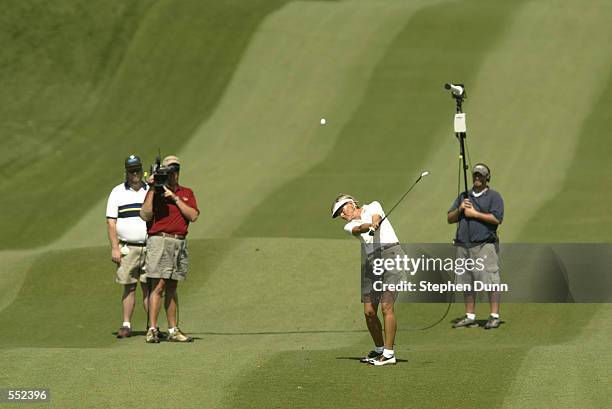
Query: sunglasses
point(134, 170)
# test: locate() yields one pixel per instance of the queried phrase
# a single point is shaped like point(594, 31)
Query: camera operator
point(168, 209)
point(478, 217)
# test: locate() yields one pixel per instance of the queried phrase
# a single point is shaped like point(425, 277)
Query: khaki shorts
point(487, 254)
point(368, 278)
point(167, 258)
point(132, 266)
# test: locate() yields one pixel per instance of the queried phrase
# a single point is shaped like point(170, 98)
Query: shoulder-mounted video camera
point(160, 174)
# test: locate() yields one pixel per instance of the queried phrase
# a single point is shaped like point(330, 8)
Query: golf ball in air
point(323, 121)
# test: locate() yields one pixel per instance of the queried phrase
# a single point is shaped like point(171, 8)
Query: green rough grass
point(382, 148)
point(583, 195)
point(528, 128)
point(237, 89)
point(132, 76)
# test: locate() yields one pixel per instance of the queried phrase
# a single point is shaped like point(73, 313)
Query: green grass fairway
point(237, 89)
point(270, 333)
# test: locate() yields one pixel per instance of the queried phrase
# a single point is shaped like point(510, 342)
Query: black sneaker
point(465, 322)
point(372, 355)
point(492, 323)
point(383, 360)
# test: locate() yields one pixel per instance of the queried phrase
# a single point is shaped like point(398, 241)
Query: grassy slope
point(133, 77)
point(298, 67)
point(403, 123)
point(383, 146)
point(580, 211)
point(267, 369)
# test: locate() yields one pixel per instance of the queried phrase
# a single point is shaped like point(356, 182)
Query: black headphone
point(488, 170)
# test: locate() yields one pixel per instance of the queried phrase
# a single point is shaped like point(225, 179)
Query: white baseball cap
point(339, 205)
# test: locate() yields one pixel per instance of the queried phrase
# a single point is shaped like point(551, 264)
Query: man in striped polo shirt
point(127, 234)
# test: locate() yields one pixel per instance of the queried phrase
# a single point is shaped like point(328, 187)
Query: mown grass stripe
point(383, 145)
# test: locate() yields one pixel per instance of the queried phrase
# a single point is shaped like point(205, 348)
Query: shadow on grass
point(348, 331)
point(479, 323)
point(357, 358)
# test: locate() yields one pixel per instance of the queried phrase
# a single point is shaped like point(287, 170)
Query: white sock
point(171, 330)
point(127, 324)
point(388, 353)
point(470, 315)
point(379, 349)
point(494, 315)
point(153, 328)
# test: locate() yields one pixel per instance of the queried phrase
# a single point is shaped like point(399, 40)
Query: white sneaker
point(383, 360)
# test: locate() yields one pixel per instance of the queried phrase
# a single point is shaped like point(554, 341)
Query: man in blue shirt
point(478, 217)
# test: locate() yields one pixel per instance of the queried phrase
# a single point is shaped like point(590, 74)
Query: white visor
point(339, 205)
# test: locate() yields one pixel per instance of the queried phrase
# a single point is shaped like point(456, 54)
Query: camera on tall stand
point(459, 94)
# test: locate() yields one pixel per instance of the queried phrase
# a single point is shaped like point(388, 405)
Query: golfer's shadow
point(163, 335)
point(134, 333)
point(359, 358)
point(479, 323)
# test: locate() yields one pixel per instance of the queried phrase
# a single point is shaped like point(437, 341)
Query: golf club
point(425, 173)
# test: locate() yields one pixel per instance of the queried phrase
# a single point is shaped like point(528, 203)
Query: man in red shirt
point(168, 212)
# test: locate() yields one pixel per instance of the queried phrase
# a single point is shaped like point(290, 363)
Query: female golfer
point(378, 242)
